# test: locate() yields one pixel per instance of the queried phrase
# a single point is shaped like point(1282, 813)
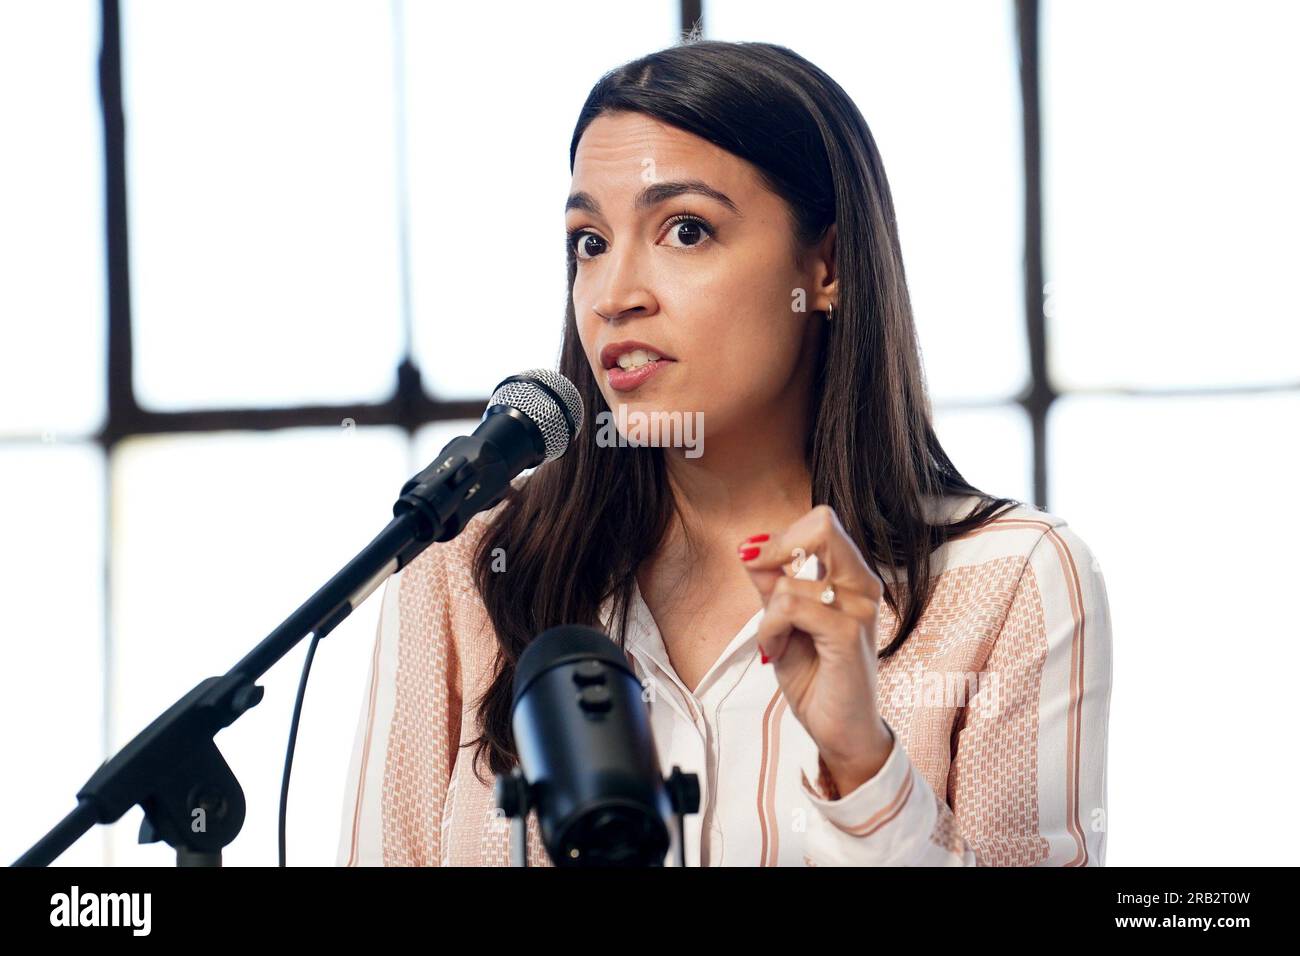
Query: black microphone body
point(471, 473)
point(531, 418)
point(582, 732)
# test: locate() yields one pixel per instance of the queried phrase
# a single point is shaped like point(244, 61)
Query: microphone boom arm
point(173, 769)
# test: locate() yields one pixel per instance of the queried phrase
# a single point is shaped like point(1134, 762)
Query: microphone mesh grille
point(536, 402)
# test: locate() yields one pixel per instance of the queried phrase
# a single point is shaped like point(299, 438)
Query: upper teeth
point(636, 358)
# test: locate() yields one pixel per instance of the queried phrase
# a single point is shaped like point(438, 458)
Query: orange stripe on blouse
point(767, 830)
point(890, 811)
point(1075, 723)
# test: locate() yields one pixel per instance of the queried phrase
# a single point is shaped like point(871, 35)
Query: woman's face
point(681, 249)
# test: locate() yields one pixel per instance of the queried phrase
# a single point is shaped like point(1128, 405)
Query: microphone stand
point(174, 770)
point(514, 798)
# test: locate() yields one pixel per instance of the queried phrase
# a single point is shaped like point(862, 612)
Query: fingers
point(795, 605)
point(847, 600)
point(763, 579)
point(817, 532)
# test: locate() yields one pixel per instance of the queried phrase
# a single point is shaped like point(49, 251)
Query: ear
point(825, 277)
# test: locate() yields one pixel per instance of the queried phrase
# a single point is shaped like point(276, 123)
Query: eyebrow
point(654, 194)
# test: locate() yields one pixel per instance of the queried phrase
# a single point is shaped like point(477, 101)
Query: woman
point(865, 659)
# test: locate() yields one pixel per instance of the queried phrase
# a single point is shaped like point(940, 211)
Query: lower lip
point(624, 380)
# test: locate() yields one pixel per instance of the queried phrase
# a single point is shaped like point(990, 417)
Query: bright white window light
point(52, 296)
point(51, 679)
point(1171, 197)
point(262, 176)
point(1186, 505)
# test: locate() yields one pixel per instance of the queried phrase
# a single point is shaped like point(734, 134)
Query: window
point(231, 333)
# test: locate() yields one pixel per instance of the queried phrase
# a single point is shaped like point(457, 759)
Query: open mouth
point(624, 378)
point(630, 361)
point(629, 364)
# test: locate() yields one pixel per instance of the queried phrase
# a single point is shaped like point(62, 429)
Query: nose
point(624, 294)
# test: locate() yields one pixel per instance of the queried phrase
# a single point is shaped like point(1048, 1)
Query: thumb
point(764, 580)
point(763, 575)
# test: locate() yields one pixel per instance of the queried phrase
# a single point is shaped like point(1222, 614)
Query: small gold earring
point(830, 311)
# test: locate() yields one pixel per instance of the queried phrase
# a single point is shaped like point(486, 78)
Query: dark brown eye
point(586, 242)
point(689, 231)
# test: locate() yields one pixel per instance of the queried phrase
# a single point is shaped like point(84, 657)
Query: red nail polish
point(749, 554)
point(758, 537)
point(765, 658)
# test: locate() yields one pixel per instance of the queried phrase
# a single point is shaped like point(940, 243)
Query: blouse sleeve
point(409, 726)
point(1027, 781)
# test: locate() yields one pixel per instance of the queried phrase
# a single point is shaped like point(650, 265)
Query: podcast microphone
point(587, 760)
point(530, 419)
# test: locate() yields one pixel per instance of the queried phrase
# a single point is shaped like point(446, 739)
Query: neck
point(743, 484)
point(752, 478)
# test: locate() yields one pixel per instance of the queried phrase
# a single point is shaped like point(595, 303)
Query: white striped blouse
point(998, 703)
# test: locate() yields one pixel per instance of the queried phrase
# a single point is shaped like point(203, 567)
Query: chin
point(652, 423)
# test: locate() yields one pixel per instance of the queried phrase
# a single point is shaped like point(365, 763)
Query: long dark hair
point(571, 538)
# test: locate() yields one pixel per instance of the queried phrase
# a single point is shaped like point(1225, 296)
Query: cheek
point(757, 366)
point(591, 327)
point(588, 331)
point(751, 339)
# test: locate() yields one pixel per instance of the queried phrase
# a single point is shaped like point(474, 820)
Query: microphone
point(586, 756)
point(530, 419)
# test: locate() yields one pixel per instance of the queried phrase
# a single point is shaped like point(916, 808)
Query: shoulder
point(443, 574)
point(437, 617)
point(1037, 556)
point(449, 565)
point(1017, 539)
point(1013, 531)
point(454, 559)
